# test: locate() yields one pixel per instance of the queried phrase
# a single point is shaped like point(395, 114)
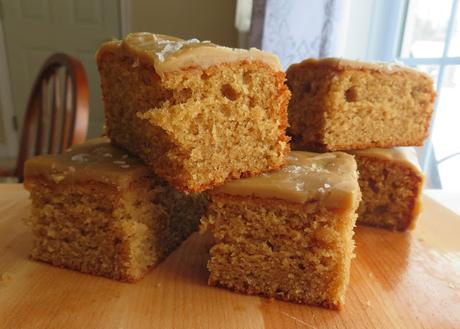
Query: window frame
point(428, 161)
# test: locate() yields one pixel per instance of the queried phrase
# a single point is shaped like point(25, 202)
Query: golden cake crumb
point(198, 114)
point(346, 105)
point(285, 242)
point(97, 210)
point(391, 184)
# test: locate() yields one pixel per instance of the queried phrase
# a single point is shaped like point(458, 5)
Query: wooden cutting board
point(398, 280)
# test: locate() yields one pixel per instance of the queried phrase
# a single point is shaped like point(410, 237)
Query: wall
point(33, 30)
point(8, 137)
point(2, 132)
point(203, 19)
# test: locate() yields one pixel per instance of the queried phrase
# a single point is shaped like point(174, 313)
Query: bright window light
point(431, 42)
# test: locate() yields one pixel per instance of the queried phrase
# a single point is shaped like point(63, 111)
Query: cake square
point(391, 185)
point(198, 114)
point(346, 105)
point(287, 234)
point(98, 210)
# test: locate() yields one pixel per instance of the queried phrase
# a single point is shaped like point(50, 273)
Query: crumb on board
point(5, 277)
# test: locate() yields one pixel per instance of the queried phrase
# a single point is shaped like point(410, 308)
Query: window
point(431, 43)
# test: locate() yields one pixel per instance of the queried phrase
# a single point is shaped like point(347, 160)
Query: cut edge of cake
point(391, 183)
point(97, 210)
point(247, 236)
point(324, 103)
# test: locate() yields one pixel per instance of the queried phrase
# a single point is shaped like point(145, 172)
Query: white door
point(34, 29)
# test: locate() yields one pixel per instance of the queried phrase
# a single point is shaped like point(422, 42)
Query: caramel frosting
point(95, 160)
point(406, 156)
point(342, 63)
point(328, 177)
point(169, 53)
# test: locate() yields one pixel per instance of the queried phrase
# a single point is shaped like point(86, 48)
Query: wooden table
point(398, 280)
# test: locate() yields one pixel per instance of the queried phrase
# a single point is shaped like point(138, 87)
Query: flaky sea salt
point(172, 47)
point(81, 157)
point(299, 187)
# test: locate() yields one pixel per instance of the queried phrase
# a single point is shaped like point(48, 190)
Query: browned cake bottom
point(390, 193)
point(295, 252)
point(98, 229)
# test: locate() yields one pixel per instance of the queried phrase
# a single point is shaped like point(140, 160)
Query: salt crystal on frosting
point(81, 157)
point(172, 46)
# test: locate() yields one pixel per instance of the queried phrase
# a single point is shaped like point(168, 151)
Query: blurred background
point(420, 33)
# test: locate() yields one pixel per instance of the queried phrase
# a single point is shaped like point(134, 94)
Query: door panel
point(34, 29)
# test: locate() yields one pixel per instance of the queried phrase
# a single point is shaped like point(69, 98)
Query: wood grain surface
point(398, 280)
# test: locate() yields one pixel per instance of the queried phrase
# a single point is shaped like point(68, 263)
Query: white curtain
point(298, 29)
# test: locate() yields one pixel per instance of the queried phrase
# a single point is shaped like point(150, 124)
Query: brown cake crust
point(196, 127)
point(277, 246)
point(307, 261)
point(391, 184)
point(99, 211)
point(344, 105)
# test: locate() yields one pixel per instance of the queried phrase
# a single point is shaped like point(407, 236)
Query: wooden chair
point(57, 111)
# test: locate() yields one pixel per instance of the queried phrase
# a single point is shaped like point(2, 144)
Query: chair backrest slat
point(55, 109)
point(42, 103)
point(52, 124)
point(66, 119)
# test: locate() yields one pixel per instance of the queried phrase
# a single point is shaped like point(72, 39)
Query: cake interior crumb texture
point(391, 193)
point(95, 228)
point(97, 210)
point(275, 248)
point(196, 127)
point(344, 105)
point(287, 234)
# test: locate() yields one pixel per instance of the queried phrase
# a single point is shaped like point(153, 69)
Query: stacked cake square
point(371, 110)
point(182, 116)
point(196, 133)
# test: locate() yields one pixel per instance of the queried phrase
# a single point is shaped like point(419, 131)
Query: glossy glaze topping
point(169, 53)
point(342, 63)
point(94, 160)
point(329, 177)
point(404, 155)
